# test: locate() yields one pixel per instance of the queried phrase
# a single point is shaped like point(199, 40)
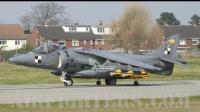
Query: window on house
point(115, 43)
point(75, 42)
point(96, 42)
point(17, 42)
point(84, 42)
point(62, 42)
point(48, 41)
point(195, 41)
point(3, 42)
point(182, 42)
point(100, 30)
point(36, 41)
point(72, 28)
point(102, 42)
point(91, 42)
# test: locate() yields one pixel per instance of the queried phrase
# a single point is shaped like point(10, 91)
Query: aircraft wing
point(118, 58)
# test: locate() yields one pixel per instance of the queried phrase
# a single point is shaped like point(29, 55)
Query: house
point(189, 35)
point(101, 29)
point(71, 36)
point(12, 36)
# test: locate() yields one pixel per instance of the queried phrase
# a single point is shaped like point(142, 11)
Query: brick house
point(71, 36)
point(189, 35)
point(12, 36)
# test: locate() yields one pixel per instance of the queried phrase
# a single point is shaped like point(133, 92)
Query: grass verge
point(177, 104)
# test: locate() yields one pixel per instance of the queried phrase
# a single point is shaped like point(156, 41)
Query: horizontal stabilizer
point(175, 62)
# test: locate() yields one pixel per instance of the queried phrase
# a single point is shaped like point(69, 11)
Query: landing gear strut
point(110, 81)
point(98, 82)
point(66, 80)
point(136, 83)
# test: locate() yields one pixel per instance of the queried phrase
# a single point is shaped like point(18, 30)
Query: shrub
point(198, 46)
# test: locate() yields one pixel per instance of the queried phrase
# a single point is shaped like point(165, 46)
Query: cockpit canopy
point(46, 48)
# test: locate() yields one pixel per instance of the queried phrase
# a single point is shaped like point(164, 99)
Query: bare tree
point(155, 39)
point(52, 12)
point(132, 28)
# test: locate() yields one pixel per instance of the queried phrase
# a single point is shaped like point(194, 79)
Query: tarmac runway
point(14, 94)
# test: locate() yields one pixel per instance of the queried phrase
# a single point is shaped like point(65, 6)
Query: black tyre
point(110, 81)
point(136, 83)
point(70, 82)
point(98, 82)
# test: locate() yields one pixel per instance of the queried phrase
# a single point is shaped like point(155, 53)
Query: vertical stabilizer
point(168, 48)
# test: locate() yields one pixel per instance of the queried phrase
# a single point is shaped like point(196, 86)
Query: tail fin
point(167, 51)
point(168, 48)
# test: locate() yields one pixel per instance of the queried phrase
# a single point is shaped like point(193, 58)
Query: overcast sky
point(90, 13)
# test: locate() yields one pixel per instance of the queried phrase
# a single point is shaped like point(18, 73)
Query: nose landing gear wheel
point(69, 82)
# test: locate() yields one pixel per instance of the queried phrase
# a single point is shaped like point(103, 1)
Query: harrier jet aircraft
point(89, 63)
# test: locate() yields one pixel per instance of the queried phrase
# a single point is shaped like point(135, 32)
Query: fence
point(188, 54)
point(5, 55)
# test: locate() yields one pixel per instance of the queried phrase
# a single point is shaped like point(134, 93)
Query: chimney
point(45, 22)
point(101, 23)
point(194, 22)
point(166, 24)
point(76, 24)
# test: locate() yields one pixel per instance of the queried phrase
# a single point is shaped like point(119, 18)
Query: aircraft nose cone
point(20, 59)
point(11, 60)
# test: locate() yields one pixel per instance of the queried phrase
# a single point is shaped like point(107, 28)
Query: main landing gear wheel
point(110, 81)
point(136, 83)
point(98, 82)
point(69, 82)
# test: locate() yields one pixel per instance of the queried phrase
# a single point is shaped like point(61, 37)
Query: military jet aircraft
point(90, 63)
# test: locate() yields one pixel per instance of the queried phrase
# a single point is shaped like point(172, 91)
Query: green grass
point(17, 75)
point(177, 104)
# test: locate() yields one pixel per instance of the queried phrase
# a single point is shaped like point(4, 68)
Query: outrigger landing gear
point(136, 83)
point(98, 82)
point(66, 80)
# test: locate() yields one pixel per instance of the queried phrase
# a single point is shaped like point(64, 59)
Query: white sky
point(90, 13)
